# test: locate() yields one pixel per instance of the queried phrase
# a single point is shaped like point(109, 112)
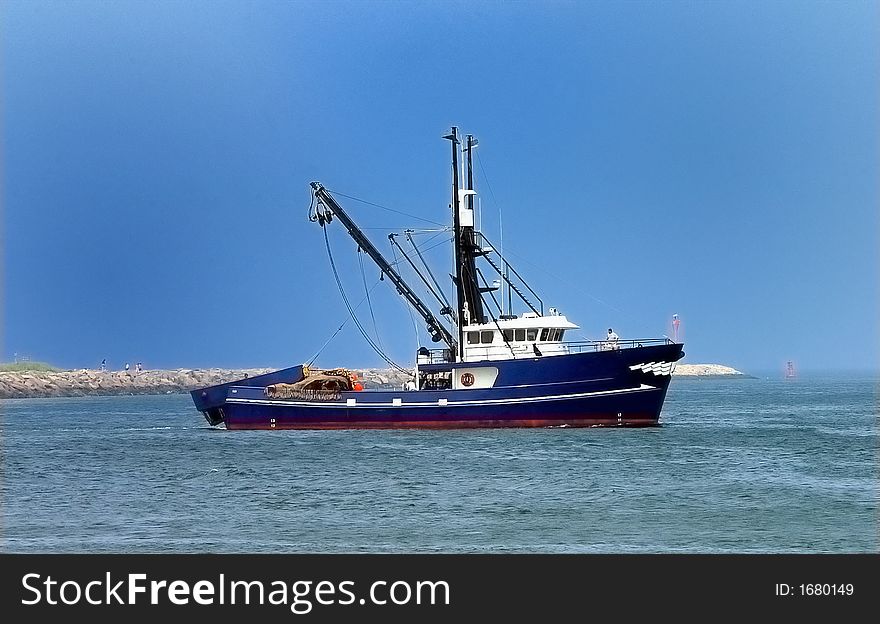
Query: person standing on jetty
point(126, 367)
point(103, 365)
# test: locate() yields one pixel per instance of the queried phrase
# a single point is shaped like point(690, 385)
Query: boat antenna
point(492, 315)
point(505, 264)
point(471, 144)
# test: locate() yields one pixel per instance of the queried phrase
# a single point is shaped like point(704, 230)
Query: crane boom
point(437, 330)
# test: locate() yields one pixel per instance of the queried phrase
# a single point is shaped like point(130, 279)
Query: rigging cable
point(367, 295)
point(364, 333)
point(316, 214)
point(564, 281)
point(495, 320)
point(408, 308)
point(339, 329)
point(394, 246)
point(568, 283)
point(486, 178)
point(359, 304)
point(427, 268)
point(406, 214)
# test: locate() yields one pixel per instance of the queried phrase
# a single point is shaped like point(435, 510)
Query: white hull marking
point(558, 397)
point(658, 368)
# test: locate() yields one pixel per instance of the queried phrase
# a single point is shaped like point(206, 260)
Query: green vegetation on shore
point(24, 367)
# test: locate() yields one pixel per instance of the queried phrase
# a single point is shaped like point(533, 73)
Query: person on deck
point(611, 340)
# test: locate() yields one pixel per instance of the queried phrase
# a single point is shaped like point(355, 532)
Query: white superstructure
point(529, 335)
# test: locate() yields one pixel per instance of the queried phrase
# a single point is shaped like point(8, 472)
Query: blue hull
point(624, 387)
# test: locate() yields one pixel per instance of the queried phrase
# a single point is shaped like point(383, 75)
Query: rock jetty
point(708, 370)
point(85, 382)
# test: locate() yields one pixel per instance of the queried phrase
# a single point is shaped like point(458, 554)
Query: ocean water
point(750, 466)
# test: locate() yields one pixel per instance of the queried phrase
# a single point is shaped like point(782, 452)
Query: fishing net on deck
point(317, 386)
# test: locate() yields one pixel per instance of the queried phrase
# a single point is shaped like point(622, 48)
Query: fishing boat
point(496, 364)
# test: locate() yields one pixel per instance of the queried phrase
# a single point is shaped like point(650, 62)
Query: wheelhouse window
point(559, 334)
point(508, 335)
point(520, 335)
point(473, 337)
point(486, 337)
point(531, 334)
point(544, 333)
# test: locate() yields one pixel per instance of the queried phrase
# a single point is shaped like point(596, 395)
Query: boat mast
point(459, 293)
point(467, 289)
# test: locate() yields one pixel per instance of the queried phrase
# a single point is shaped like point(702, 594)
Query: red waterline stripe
point(647, 421)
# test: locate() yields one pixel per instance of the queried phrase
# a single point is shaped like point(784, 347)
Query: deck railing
point(445, 356)
point(612, 345)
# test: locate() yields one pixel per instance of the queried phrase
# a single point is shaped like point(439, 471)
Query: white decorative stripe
point(558, 397)
point(658, 368)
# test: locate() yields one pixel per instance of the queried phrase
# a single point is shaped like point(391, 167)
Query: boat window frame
point(483, 333)
point(473, 337)
point(531, 334)
point(544, 333)
point(519, 334)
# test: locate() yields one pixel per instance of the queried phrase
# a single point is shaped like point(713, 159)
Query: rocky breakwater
point(709, 371)
point(85, 382)
point(382, 378)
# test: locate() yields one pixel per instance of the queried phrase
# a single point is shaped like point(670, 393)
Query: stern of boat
point(211, 400)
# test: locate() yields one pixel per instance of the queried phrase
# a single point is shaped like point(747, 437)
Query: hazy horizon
point(718, 161)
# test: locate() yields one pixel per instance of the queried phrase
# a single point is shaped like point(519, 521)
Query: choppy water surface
point(737, 466)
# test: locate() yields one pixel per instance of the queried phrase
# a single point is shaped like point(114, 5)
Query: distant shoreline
point(88, 382)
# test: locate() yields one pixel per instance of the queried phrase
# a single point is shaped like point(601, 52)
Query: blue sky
point(711, 159)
